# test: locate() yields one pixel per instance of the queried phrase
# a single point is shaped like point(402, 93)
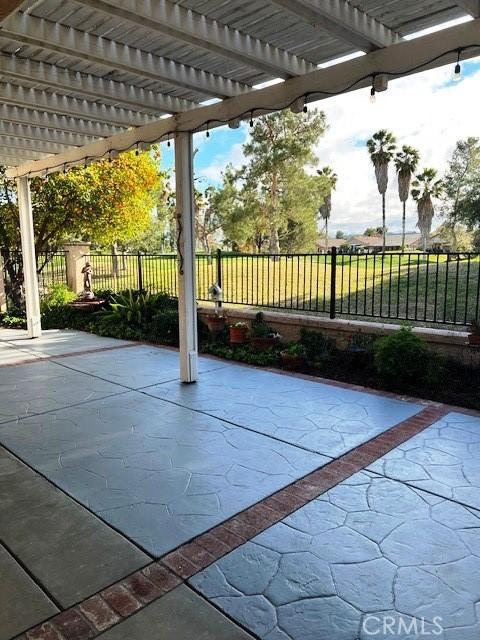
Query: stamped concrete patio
point(251, 504)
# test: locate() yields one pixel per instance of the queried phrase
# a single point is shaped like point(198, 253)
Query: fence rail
point(439, 288)
point(442, 288)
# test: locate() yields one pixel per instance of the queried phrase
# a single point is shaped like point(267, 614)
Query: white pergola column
point(32, 298)
point(187, 298)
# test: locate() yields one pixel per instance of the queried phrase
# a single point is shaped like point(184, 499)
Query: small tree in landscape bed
point(326, 206)
point(406, 162)
point(381, 147)
point(426, 187)
point(106, 202)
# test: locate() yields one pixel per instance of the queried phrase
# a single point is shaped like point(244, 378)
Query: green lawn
point(414, 287)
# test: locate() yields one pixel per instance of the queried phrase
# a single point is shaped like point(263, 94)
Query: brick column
point(76, 254)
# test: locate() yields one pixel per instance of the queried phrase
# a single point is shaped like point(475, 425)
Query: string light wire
point(258, 111)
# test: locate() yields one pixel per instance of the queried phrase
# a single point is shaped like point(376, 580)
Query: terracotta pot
point(215, 324)
point(474, 339)
point(238, 335)
point(263, 344)
point(291, 361)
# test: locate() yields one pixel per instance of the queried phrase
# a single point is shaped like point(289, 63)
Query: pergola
point(82, 80)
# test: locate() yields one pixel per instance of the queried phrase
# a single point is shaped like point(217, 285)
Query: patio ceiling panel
point(28, 132)
point(28, 29)
point(56, 78)
point(61, 104)
point(472, 7)
point(344, 21)
point(22, 115)
point(192, 28)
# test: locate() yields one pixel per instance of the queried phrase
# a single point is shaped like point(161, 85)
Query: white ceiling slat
point(426, 52)
point(193, 28)
point(344, 21)
point(29, 132)
point(472, 7)
point(89, 85)
point(56, 37)
point(44, 120)
point(56, 103)
point(40, 146)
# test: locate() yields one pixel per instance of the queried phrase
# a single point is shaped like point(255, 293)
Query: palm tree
point(381, 148)
point(326, 206)
point(425, 187)
point(406, 162)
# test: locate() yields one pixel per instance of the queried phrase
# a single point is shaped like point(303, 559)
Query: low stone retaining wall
point(451, 343)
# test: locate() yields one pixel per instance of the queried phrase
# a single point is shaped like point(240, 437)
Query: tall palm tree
point(381, 148)
point(425, 188)
point(326, 206)
point(406, 162)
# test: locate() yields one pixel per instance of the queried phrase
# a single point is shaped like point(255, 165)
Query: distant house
point(338, 243)
point(393, 242)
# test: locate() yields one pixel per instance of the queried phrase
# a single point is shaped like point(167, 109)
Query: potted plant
point(294, 356)
point(474, 335)
point(238, 333)
point(215, 323)
point(262, 336)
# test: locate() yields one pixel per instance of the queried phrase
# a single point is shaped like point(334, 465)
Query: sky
point(428, 110)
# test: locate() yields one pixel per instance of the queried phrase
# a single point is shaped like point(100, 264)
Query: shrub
point(58, 295)
point(404, 358)
point(318, 348)
point(12, 321)
point(164, 327)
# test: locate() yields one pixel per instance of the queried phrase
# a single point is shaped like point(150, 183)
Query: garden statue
point(87, 281)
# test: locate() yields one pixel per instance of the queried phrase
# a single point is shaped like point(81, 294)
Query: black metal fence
point(51, 269)
point(439, 288)
point(442, 288)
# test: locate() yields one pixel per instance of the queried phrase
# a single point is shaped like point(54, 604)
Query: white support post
point(29, 260)
point(187, 298)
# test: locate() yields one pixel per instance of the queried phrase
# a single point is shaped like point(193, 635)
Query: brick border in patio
point(112, 605)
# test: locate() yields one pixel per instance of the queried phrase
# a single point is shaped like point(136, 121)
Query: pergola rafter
point(187, 26)
point(60, 104)
point(29, 116)
point(91, 86)
point(343, 20)
point(36, 32)
point(28, 132)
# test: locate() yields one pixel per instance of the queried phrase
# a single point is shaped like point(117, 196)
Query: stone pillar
point(3, 297)
point(76, 255)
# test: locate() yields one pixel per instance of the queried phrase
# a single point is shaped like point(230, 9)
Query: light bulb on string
point(457, 72)
point(373, 97)
point(305, 108)
point(137, 150)
point(251, 119)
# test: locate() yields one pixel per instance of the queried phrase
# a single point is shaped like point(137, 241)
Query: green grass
point(413, 287)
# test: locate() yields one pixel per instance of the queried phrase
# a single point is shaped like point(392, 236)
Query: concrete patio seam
point(107, 608)
point(68, 406)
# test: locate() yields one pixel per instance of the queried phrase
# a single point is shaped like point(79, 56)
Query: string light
point(137, 151)
point(169, 144)
point(385, 75)
point(457, 73)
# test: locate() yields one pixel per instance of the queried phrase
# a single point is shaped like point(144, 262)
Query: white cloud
point(426, 111)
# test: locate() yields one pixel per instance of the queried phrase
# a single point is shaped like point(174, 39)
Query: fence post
point(219, 271)
point(140, 272)
point(333, 283)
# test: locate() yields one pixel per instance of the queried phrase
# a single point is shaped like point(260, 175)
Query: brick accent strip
point(63, 355)
point(103, 610)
